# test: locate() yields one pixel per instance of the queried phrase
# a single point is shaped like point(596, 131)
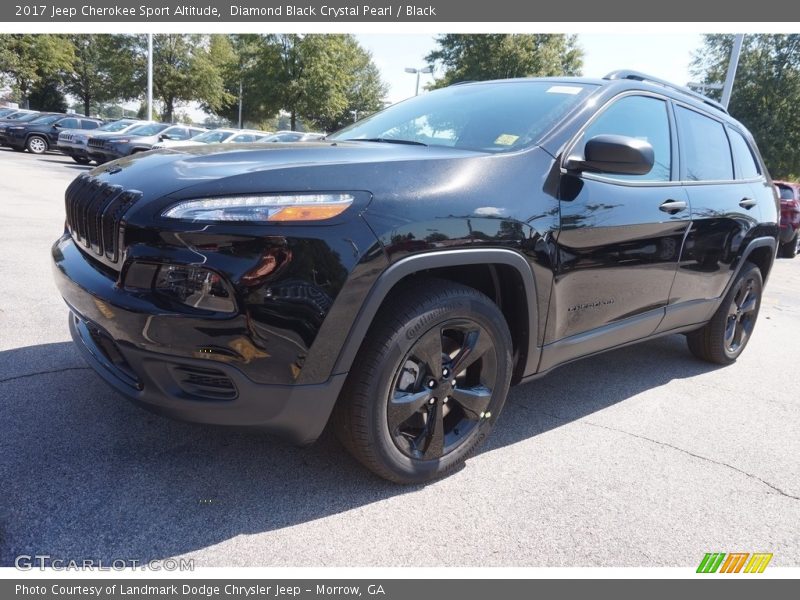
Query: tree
point(321, 78)
point(478, 57)
point(104, 69)
point(46, 96)
point(183, 71)
point(26, 59)
point(765, 92)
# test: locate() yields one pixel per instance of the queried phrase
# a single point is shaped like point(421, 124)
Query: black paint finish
point(579, 263)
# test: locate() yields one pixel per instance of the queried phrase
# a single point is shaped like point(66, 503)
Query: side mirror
point(57, 125)
point(615, 154)
point(165, 136)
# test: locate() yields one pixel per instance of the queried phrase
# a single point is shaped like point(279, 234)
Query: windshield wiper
point(387, 141)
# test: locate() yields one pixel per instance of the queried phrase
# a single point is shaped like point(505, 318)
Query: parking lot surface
point(638, 457)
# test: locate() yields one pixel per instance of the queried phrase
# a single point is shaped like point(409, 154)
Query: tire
point(36, 144)
point(791, 248)
point(81, 160)
point(399, 413)
point(725, 336)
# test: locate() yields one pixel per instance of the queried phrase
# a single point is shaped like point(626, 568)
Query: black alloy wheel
point(725, 336)
point(428, 383)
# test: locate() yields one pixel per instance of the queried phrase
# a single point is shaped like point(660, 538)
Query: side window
point(85, 124)
point(705, 147)
point(746, 165)
point(640, 117)
point(181, 134)
point(68, 123)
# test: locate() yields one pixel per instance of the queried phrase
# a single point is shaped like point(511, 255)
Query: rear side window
point(643, 118)
point(746, 166)
point(786, 192)
point(706, 151)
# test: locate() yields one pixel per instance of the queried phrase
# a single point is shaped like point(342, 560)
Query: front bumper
point(201, 390)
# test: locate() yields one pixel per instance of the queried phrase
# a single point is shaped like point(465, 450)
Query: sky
point(666, 56)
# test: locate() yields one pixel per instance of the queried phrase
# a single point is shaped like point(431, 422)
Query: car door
point(620, 236)
point(725, 209)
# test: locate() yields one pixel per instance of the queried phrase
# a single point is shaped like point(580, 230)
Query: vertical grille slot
point(94, 210)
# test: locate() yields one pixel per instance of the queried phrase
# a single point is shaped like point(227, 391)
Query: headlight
point(280, 207)
point(16, 128)
point(120, 141)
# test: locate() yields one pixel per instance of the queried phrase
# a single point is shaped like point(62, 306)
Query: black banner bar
point(394, 11)
point(730, 588)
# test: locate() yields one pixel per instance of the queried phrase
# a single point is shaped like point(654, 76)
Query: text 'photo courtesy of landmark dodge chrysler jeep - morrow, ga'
point(395, 278)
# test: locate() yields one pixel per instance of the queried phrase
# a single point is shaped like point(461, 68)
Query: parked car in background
point(248, 136)
point(73, 143)
point(138, 139)
point(214, 136)
point(789, 193)
point(17, 113)
point(5, 124)
point(273, 285)
point(40, 135)
point(7, 111)
point(292, 136)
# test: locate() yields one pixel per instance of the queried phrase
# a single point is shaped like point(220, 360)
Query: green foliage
point(478, 57)
point(26, 59)
point(765, 92)
point(46, 96)
point(184, 70)
point(320, 79)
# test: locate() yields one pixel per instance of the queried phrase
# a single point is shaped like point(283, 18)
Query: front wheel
point(36, 144)
point(725, 336)
point(428, 384)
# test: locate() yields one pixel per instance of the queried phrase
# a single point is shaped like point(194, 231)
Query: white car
point(216, 136)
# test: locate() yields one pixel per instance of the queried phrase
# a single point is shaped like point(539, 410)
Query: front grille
point(94, 213)
point(96, 143)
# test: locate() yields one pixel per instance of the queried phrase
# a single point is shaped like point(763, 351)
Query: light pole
point(149, 76)
point(418, 72)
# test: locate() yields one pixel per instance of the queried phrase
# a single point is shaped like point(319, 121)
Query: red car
point(790, 218)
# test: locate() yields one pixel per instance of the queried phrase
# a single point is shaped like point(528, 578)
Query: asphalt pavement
point(638, 457)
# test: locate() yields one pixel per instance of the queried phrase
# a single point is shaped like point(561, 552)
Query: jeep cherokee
point(397, 277)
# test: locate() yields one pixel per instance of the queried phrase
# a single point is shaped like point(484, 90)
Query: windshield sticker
point(564, 89)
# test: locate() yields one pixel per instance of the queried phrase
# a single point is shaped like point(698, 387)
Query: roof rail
point(637, 76)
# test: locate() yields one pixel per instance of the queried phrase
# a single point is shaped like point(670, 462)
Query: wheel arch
point(503, 275)
point(761, 252)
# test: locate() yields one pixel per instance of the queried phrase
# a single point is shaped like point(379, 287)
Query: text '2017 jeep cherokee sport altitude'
point(398, 276)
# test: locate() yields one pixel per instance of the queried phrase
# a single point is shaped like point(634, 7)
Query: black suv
point(398, 276)
point(40, 135)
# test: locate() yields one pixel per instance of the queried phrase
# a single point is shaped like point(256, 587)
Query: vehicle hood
point(217, 169)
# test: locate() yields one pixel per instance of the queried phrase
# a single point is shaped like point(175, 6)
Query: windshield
point(212, 137)
point(148, 129)
point(116, 126)
point(493, 117)
point(46, 120)
point(28, 117)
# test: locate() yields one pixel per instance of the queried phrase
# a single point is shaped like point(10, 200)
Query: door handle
point(747, 203)
point(672, 206)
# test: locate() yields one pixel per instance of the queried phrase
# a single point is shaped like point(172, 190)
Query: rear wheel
point(36, 144)
point(428, 383)
point(725, 336)
point(81, 160)
point(792, 247)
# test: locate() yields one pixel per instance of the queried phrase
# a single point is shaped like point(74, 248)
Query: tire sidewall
point(383, 384)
